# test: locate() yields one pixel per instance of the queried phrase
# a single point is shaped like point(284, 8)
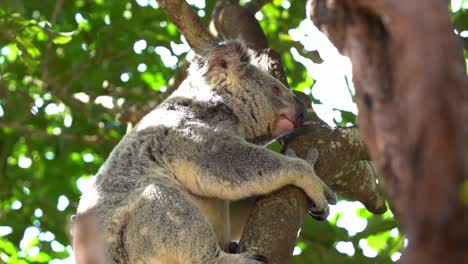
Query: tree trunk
point(412, 92)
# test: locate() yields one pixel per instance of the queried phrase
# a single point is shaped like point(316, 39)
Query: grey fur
point(163, 195)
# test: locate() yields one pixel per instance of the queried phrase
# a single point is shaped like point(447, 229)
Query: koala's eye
point(276, 90)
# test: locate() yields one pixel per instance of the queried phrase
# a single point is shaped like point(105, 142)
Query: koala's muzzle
point(300, 111)
point(290, 118)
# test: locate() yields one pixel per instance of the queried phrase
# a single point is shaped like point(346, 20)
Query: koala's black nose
point(300, 110)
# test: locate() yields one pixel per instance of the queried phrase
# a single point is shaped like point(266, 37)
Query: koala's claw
point(316, 213)
point(330, 195)
point(321, 214)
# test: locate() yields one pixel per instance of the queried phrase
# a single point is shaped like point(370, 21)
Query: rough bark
point(273, 226)
point(411, 91)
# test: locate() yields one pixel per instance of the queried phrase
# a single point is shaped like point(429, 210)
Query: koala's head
point(265, 107)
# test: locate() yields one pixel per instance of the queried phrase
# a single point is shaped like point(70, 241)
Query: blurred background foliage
point(71, 72)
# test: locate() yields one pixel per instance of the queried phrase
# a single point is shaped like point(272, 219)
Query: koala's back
point(136, 193)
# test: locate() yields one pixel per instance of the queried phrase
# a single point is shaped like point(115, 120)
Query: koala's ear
point(228, 55)
point(220, 63)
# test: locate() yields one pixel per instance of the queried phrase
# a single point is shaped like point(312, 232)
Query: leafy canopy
point(70, 71)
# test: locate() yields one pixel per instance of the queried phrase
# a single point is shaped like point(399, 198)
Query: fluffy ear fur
point(219, 64)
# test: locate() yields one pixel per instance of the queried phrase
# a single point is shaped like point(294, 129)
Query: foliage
point(69, 70)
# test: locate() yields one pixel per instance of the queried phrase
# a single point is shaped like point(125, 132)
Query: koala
point(165, 191)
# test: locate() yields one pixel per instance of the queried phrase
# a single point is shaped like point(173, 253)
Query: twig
point(45, 62)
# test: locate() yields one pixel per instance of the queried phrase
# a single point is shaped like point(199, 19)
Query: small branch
point(47, 53)
point(57, 9)
point(69, 100)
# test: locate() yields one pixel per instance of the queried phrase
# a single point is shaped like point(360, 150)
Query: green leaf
point(275, 146)
point(61, 39)
point(7, 247)
point(13, 52)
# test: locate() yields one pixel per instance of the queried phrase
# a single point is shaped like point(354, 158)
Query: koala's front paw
point(318, 212)
point(319, 194)
point(321, 215)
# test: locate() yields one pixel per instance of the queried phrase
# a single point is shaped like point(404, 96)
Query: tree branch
point(354, 176)
point(185, 19)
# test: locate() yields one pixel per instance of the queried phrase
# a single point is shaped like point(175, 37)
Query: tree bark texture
point(412, 95)
point(343, 161)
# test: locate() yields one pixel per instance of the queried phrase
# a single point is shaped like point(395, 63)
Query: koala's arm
point(228, 167)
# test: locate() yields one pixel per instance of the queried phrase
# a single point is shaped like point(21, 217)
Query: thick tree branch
point(185, 19)
point(227, 14)
point(411, 92)
point(353, 176)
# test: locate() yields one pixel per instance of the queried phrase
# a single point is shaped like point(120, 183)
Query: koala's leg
point(166, 227)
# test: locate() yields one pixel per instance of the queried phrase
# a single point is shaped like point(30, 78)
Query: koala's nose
point(300, 110)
